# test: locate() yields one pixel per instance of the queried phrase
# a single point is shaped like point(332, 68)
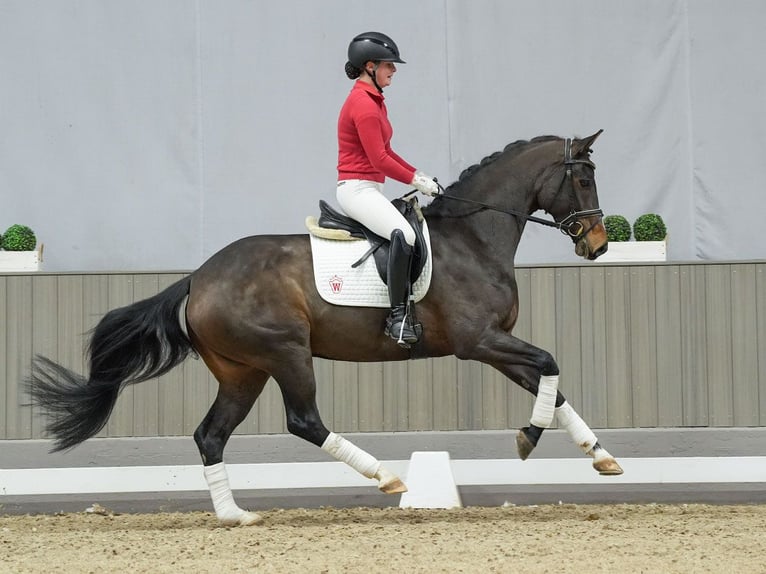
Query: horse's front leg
point(547, 398)
point(298, 388)
point(586, 439)
point(528, 366)
point(568, 419)
point(535, 370)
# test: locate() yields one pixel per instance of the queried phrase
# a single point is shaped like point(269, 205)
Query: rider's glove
point(424, 184)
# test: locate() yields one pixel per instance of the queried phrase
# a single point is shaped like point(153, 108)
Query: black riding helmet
point(372, 46)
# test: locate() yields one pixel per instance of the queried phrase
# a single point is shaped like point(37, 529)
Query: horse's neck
point(490, 235)
point(508, 184)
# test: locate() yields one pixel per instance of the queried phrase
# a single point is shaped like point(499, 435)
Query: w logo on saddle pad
point(346, 273)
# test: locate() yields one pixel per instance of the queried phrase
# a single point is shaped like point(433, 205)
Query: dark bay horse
point(252, 312)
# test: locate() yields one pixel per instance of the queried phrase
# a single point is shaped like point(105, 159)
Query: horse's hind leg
point(233, 402)
point(298, 386)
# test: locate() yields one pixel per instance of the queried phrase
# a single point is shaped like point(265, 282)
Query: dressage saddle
point(329, 218)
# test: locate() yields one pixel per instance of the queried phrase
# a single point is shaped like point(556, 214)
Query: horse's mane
point(438, 207)
point(512, 149)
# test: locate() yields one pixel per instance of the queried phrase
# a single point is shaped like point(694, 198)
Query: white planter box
point(21, 260)
point(627, 251)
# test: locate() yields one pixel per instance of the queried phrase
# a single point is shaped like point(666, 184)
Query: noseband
point(570, 225)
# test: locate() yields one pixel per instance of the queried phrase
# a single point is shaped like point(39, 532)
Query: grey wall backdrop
point(146, 135)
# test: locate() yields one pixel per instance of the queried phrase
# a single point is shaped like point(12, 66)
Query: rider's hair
point(352, 71)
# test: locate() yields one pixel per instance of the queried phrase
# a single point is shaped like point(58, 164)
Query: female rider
point(365, 159)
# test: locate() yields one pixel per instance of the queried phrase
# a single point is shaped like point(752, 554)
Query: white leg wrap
point(352, 455)
point(226, 509)
point(545, 402)
point(576, 427)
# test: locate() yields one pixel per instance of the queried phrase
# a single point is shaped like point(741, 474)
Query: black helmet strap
point(374, 75)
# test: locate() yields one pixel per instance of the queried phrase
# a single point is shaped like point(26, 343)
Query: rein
point(568, 226)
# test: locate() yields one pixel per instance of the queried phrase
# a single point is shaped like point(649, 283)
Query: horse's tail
point(129, 345)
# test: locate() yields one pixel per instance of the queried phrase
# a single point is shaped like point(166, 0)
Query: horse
point(251, 312)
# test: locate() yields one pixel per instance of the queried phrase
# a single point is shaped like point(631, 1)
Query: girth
point(330, 218)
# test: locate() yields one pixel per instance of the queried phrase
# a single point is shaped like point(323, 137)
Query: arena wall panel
point(639, 346)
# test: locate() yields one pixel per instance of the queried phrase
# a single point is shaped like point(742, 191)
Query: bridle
point(570, 225)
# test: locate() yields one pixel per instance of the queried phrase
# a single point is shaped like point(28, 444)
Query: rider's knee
point(409, 235)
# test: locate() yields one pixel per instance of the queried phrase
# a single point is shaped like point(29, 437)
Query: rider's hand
point(425, 184)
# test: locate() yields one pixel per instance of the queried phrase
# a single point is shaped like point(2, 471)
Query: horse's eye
point(584, 183)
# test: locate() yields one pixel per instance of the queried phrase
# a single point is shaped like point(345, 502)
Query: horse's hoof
point(249, 519)
point(523, 445)
point(395, 486)
point(244, 519)
point(388, 482)
point(607, 467)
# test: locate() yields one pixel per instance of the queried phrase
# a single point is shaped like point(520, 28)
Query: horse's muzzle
point(592, 241)
point(598, 252)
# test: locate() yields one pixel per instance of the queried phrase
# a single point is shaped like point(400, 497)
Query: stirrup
point(400, 329)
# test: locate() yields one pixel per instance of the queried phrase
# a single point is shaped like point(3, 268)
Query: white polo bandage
point(345, 451)
point(226, 509)
point(545, 402)
point(576, 427)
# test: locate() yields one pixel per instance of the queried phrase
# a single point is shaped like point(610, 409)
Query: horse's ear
point(584, 145)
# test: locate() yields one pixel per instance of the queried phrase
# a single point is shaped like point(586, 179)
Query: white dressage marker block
point(430, 482)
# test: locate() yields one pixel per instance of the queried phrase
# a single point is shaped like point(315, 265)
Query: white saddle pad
point(340, 284)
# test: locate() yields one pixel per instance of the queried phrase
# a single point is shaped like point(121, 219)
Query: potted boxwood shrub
point(646, 230)
point(18, 253)
point(617, 228)
point(649, 227)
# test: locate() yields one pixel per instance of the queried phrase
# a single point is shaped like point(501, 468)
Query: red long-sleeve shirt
point(364, 139)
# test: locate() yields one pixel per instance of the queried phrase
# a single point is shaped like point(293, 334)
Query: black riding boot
point(399, 323)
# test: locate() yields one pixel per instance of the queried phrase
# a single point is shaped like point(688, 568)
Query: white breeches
point(364, 201)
